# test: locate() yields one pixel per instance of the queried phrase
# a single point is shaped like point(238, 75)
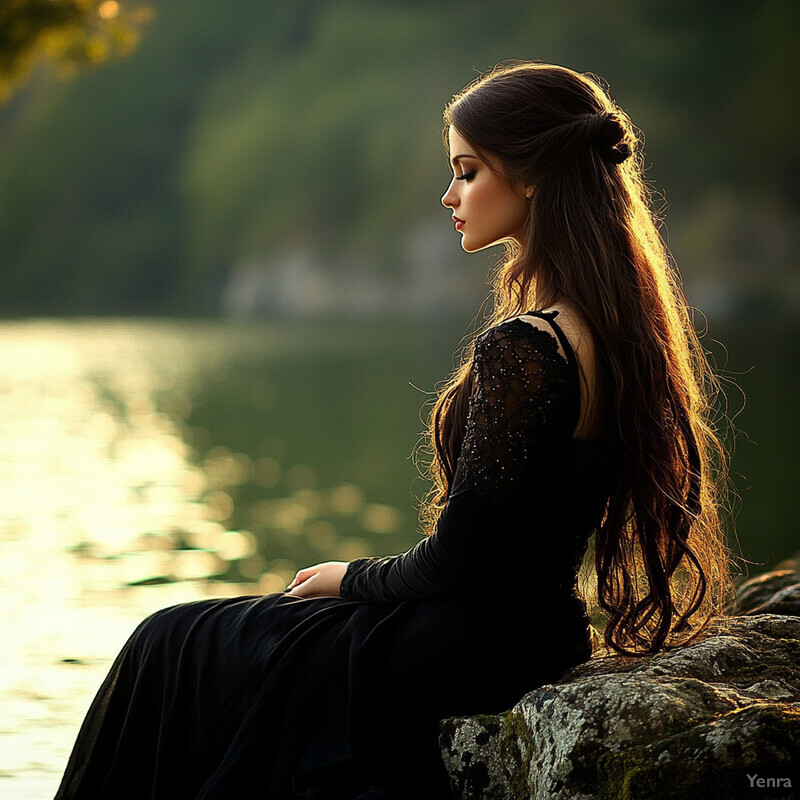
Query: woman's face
point(486, 208)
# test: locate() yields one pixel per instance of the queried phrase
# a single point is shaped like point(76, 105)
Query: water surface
point(146, 463)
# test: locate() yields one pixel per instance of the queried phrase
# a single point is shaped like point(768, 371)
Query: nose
point(450, 198)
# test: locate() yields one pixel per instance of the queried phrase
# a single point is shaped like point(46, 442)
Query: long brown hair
point(591, 240)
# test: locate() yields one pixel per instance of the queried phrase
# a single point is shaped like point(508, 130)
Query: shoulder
point(519, 340)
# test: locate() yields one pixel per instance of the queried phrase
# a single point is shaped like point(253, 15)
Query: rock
point(776, 592)
point(717, 718)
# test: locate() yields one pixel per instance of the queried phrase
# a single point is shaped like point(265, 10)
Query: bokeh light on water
point(120, 494)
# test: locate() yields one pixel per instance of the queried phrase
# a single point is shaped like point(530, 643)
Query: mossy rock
point(707, 720)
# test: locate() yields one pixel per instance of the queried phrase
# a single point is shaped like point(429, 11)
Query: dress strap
point(550, 318)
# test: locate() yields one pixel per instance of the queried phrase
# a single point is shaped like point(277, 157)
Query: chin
point(474, 247)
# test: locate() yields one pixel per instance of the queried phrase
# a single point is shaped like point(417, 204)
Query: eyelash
point(467, 176)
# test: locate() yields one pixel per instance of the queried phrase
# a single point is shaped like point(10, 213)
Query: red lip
point(458, 223)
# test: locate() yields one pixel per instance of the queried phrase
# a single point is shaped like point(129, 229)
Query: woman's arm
point(519, 378)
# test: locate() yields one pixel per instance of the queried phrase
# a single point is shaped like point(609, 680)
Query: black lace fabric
point(519, 379)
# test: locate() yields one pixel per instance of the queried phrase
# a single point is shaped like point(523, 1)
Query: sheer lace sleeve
point(520, 398)
point(519, 378)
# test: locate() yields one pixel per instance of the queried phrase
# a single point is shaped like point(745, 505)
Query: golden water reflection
point(109, 513)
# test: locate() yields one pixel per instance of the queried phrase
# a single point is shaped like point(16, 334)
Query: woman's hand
point(321, 580)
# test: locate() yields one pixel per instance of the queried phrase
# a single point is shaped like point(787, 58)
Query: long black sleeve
point(521, 395)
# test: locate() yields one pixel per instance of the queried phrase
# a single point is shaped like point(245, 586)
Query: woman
point(578, 409)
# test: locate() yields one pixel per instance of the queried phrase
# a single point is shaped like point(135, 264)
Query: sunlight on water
point(108, 514)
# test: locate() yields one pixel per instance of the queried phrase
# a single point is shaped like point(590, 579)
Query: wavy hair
point(591, 239)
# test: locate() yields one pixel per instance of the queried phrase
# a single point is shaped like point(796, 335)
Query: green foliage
point(237, 130)
point(67, 32)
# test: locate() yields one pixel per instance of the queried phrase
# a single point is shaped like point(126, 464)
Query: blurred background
point(228, 289)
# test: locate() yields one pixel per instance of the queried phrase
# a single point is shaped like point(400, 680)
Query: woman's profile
point(580, 409)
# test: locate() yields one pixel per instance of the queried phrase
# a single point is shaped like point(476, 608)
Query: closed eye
point(467, 176)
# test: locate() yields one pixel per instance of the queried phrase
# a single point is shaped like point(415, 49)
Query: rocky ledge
point(718, 718)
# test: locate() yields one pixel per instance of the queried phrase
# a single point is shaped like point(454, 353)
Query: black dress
point(281, 697)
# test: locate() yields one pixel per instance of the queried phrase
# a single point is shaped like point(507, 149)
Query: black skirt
point(315, 698)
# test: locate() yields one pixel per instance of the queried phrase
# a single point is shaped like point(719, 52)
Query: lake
point(150, 462)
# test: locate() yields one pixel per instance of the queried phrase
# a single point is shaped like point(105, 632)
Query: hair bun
point(611, 137)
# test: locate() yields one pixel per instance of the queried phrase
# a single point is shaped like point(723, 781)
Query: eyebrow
point(456, 159)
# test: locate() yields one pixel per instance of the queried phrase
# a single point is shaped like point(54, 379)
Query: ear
point(529, 192)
